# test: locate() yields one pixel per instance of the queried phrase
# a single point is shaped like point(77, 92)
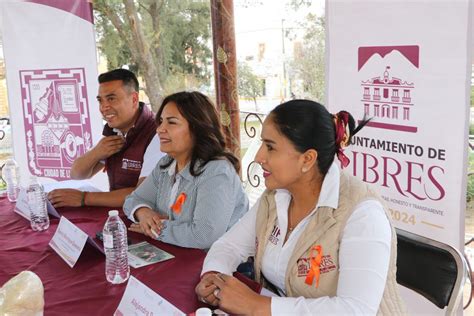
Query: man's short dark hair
point(128, 78)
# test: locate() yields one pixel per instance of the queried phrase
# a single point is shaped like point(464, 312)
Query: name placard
point(139, 299)
point(52, 210)
point(22, 206)
point(68, 241)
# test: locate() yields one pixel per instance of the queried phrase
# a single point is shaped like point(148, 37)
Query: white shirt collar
point(172, 169)
point(119, 132)
point(329, 195)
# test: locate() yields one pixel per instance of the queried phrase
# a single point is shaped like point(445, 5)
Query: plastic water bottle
point(115, 245)
point(11, 175)
point(39, 218)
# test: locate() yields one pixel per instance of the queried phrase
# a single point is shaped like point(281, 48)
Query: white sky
point(258, 21)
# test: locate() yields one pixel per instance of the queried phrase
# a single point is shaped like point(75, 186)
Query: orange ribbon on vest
point(315, 261)
point(178, 205)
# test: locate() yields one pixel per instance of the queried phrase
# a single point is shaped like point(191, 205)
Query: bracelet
point(83, 198)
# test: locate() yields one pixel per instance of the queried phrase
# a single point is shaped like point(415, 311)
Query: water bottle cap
point(203, 311)
point(11, 162)
point(113, 213)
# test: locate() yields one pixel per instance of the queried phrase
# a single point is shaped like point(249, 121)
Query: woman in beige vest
point(321, 238)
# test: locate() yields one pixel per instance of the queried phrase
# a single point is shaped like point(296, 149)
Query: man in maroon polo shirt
point(128, 152)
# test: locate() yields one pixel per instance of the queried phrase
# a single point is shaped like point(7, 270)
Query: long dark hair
point(309, 125)
point(204, 125)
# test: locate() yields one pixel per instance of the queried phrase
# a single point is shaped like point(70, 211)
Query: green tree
point(165, 41)
point(248, 84)
point(308, 64)
point(472, 96)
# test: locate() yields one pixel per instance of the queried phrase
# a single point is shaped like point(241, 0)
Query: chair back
point(431, 268)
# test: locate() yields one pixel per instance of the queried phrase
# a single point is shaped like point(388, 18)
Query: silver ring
point(216, 293)
point(203, 300)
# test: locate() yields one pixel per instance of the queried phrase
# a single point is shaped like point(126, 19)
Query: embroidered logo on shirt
point(128, 164)
point(327, 265)
point(274, 235)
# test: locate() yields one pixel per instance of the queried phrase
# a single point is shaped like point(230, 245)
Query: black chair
point(431, 268)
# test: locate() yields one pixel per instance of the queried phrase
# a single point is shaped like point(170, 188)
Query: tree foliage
point(249, 85)
point(308, 64)
point(164, 41)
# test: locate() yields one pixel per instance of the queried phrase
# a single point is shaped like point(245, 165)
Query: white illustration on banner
point(56, 119)
point(387, 98)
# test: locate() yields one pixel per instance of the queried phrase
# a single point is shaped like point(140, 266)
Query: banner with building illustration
point(51, 69)
point(412, 78)
point(406, 64)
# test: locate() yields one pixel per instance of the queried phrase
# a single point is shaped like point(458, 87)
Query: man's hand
point(65, 197)
point(108, 146)
point(91, 162)
point(149, 222)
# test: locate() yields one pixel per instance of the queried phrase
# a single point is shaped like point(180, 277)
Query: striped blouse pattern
point(215, 201)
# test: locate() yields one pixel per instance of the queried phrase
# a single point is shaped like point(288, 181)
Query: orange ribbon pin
point(315, 260)
point(178, 205)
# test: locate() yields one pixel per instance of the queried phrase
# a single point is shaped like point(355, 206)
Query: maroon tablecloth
point(83, 290)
